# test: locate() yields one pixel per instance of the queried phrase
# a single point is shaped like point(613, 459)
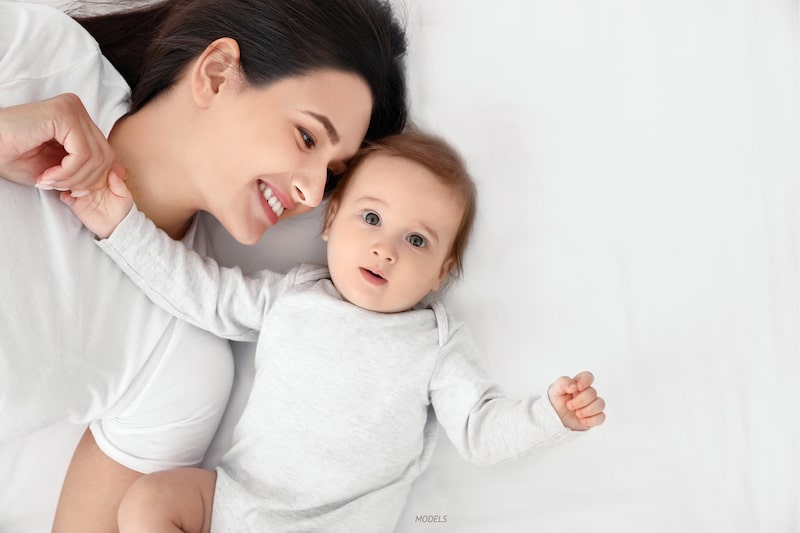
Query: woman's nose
point(308, 188)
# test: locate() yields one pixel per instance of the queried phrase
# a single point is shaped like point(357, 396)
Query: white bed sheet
point(638, 172)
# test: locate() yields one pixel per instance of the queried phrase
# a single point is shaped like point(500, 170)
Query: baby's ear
point(447, 267)
point(330, 213)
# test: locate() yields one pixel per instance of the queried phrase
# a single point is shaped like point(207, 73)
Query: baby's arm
point(485, 425)
point(196, 289)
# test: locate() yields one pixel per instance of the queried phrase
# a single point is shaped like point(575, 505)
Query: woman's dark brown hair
point(151, 47)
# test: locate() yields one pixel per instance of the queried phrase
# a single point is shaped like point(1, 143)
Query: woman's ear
point(216, 69)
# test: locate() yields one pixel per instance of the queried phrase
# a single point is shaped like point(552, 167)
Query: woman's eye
point(416, 240)
point(371, 217)
point(308, 140)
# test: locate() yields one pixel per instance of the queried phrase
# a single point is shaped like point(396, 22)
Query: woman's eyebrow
point(327, 124)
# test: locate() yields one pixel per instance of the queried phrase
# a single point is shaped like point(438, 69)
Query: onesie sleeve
point(484, 425)
point(196, 289)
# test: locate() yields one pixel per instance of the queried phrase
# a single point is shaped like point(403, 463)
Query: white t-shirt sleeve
point(171, 412)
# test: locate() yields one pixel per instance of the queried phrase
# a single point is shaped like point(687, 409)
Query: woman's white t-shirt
point(78, 341)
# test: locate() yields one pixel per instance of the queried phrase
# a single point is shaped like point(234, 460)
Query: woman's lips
point(270, 214)
point(276, 202)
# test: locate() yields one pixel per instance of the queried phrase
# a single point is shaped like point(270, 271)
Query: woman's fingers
point(88, 157)
point(53, 144)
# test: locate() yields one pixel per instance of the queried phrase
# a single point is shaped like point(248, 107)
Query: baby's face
point(389, 241)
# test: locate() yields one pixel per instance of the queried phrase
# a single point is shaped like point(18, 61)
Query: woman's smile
point(273, 201)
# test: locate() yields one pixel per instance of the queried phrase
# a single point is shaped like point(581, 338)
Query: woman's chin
point(247, 234)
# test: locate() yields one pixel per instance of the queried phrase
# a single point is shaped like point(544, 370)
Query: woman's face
point(263, 154)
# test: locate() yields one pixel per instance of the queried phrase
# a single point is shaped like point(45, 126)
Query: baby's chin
point(377, 307)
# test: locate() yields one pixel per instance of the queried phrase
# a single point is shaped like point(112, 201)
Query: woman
point(239, 108)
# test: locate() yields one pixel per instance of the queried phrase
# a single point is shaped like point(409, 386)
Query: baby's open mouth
point(373, 276)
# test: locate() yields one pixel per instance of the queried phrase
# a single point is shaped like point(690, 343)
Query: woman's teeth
point(273, 201)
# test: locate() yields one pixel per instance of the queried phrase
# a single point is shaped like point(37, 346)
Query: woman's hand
point(54, 144)
point(576, 401)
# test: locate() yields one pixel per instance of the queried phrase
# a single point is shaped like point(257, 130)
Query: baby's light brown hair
point(435, 155)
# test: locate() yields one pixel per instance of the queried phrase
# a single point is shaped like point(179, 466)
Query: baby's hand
point(102, 210)
point(577, 402)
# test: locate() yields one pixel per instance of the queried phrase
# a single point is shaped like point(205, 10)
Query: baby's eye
point(371, 217)
point(416, 240)
point(308, 139)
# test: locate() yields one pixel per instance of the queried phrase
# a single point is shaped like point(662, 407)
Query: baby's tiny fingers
point(594, 408)
point(117, 185)
point(561, 386)
point(593, 421)
point(67, 198)
point(582, 399)
point(584, 380)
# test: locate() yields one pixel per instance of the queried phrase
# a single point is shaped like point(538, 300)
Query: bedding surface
point(637, 167)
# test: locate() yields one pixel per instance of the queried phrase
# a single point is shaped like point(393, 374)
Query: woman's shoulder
point(38, 40)
point(26, 15)
point(44, 53)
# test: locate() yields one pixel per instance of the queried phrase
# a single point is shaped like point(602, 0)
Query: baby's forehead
point(402, 183)
point(387, 175)
point(379, 169)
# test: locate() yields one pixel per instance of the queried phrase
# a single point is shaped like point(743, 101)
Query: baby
point(352, 370)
